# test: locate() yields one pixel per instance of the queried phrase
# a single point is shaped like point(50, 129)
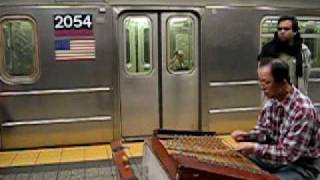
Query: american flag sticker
point(75, 49)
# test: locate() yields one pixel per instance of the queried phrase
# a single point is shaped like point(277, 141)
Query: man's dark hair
point(295, 25)
point(279, 69)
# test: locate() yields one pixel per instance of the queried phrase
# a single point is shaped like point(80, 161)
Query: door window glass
point(309, 29)
point(138, 44)
point(180, 36)
point(19, 55)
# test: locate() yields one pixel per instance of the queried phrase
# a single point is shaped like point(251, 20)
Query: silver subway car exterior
point(87, 72)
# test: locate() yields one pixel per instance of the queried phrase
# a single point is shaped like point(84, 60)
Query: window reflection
point(180, 46)
point(19, 60)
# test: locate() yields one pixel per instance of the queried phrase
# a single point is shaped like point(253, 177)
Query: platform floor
point(72, 163)
point(91, 170)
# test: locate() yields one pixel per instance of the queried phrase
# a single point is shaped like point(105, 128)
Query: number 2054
point(73, 21)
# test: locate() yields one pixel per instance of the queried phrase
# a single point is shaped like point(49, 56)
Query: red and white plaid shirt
point(287, 130)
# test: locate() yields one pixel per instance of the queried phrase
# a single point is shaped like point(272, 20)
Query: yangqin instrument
point(196, 155)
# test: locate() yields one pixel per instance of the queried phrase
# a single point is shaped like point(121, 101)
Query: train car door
point(159, 74)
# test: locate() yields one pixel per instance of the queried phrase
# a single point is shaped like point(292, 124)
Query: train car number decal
point(72, 21)
point(74, 37)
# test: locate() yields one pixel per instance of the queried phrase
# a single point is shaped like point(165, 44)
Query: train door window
point(138, 45)
point(309, 29)
point(19, 50)
point(180, 38)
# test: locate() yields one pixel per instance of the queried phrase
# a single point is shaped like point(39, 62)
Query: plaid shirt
point(287, 130)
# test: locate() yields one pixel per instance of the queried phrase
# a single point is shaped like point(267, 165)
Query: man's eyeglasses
point(283, 28)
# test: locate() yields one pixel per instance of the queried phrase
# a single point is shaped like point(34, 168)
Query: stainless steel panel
point(61, 91)
point(228, 122)
point(232, 110)
point(230, 46)
point(74, 74)
point(234, 96)
point(56, 121)
point(180, 92)
point(24, 108)
point(263, 4)
point(57, 134)
point(54, 91)
point(233, 83)
point(139, 93)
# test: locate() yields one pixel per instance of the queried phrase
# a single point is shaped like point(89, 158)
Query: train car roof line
point(311, 4)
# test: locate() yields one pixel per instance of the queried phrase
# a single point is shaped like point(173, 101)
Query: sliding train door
point(139, 91)
point(180, 74)
point(159, 76)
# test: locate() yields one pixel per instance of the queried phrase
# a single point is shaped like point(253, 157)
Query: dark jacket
point(275, 48)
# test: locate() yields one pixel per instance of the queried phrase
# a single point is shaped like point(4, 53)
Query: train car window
point(180, 36)
point(19, 50)
point(138, 45)
point(309, 29)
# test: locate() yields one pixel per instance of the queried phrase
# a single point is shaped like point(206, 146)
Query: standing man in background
point(288, 46)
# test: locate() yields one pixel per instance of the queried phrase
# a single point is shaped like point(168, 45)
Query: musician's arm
point(261, 133)
point(291, 148)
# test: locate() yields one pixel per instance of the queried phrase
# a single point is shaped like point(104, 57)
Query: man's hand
point(239, 135)
point(246, 148)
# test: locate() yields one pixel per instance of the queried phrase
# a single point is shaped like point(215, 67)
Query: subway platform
point(70, 163)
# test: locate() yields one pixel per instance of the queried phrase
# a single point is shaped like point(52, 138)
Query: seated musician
point(286, 139)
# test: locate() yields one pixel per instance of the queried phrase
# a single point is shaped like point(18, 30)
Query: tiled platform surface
point(73, 163)
point(64, 155)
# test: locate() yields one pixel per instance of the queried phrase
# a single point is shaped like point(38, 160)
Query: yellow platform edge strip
point(63, 155)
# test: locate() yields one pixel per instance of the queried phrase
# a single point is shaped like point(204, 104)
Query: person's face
point(267, 84)
point(285, 31)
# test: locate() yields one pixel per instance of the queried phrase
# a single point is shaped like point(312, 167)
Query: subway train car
point(92, 71)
